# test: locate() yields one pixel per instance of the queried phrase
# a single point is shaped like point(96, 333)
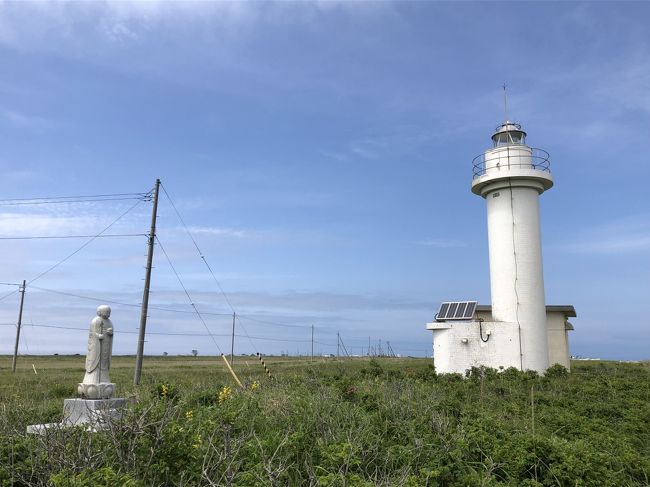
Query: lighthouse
point(518, 330)
point(511, 177)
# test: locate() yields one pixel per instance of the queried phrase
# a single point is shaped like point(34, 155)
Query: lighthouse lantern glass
point(513, 137)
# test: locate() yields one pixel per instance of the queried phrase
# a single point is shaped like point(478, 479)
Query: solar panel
point(443, 309)
point(456, 310)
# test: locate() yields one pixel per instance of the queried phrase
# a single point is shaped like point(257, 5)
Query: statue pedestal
point(103, 390)
point(94, 413)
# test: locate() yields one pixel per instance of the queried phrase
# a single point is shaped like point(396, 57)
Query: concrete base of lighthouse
point(459, 346)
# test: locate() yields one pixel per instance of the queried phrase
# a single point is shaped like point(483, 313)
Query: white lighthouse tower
point(511, 176)
point(518, 330)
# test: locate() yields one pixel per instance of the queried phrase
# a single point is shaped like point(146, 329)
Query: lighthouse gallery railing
point(538, 159)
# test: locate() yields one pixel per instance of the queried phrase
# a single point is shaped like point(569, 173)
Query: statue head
point(104, 311)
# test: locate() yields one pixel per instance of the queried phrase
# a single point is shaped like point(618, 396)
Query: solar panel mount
point(456, 311)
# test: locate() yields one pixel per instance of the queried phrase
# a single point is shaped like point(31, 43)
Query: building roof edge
point(567, 309)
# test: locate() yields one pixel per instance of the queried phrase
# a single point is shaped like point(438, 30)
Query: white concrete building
point(514, 332)
point(460, 345)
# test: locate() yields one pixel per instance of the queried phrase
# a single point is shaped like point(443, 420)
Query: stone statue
point(96, 383)
point(97, 407)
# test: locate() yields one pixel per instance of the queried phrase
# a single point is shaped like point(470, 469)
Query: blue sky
point(321, 155)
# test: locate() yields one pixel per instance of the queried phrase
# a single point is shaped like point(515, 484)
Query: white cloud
point(630, 235)
point(21, 224)
point(68, 218)
point(185, 43)
point(442, 243)
point(610, 245)
point(21, 120)
point(218, 231)
point(20, 175)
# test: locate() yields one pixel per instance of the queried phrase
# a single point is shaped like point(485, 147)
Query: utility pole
point(342, 345)
point(338, 341)
point(20, 320)
point(147, 283)
point(312, 343)
point(232, 341)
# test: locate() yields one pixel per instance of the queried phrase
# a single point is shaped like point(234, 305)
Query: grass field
point(355, 422)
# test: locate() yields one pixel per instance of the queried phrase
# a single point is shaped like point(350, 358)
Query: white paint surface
point(510, 177)
point(457, 346)
point(558, 340)
point(511, 187)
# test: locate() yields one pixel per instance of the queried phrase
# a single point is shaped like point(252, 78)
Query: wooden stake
point(232, 341)
point(234, 376)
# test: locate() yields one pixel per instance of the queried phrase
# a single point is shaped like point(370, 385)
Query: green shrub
point(556, 371)
point(165, 390)
point(104, 477)
point(346, 423)
point(374, 369)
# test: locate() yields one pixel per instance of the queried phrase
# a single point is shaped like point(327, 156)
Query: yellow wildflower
point(224, 394)
point(255, 385)
point(189, 414)
point(197, 441)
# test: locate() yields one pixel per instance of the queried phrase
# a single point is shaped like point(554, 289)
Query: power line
point(223, 293)
point(76, 197)
point(248, 317)
point(187, 230)
point(54, 202)
point(90, 298)
point(142, 197)
point(158, 308)
point(76, 251)
point(5, 296)
point(189, 334)
point(130, 332)
point(119, 303)
point(214, 277)
point(34, 237)
point(180, 281)
point(85, 244)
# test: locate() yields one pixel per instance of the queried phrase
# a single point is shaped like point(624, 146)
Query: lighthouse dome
point(508, 133)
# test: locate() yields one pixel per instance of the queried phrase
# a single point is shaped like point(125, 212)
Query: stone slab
point(41, 429)
point(93, 411)
point(95, 414)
